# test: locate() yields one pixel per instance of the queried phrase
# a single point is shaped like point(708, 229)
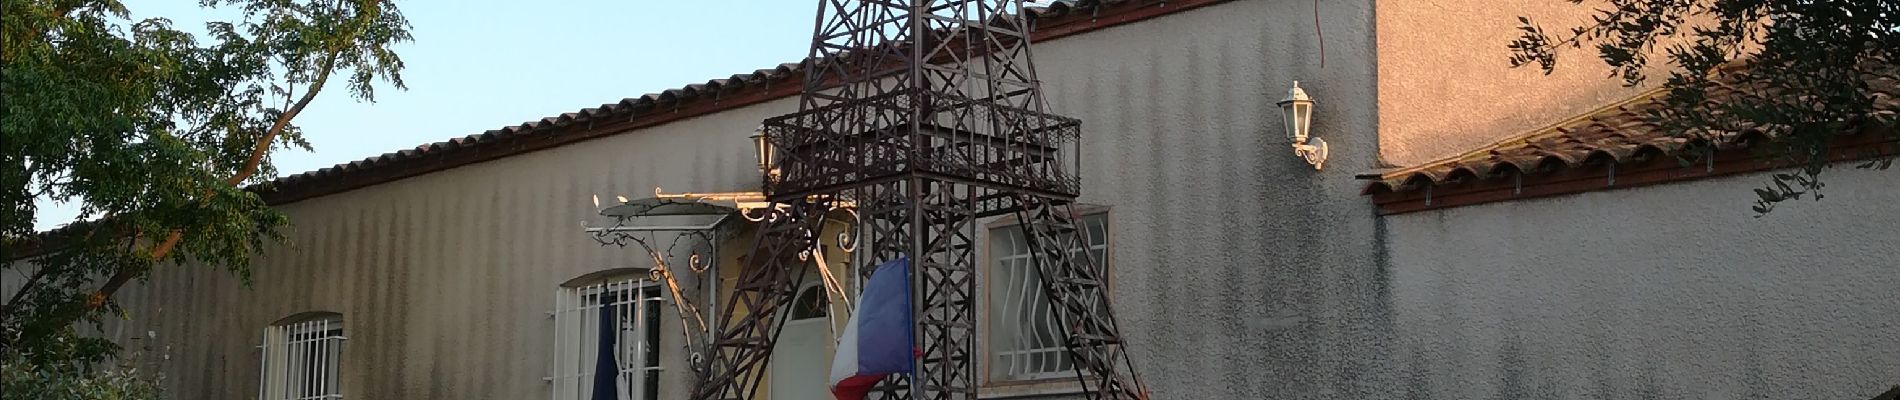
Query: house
point(1478, 232)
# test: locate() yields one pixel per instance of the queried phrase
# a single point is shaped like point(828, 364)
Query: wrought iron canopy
point(654, 206)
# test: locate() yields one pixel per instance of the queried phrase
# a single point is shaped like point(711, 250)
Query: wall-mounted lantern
point(767, 155)
point(1298, 109)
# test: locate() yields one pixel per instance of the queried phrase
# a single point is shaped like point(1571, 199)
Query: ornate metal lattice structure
point(926, 115)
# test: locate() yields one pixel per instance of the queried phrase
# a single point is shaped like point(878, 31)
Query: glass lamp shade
point(1298, 113)
point(763, 149)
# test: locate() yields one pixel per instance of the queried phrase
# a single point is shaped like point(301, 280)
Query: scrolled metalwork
point(848, 238)
point(621, 234)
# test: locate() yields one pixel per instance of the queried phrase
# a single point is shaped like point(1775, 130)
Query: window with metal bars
point(1025, 342)
point(619, 315)
point(301, 359)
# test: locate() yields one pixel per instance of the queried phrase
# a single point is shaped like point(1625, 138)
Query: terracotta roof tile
point(1064, 17)
point(1617, 134)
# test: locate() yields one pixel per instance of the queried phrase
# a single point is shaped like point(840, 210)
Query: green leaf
point(142, 124)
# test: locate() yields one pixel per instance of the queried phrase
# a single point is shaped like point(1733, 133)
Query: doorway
point(801, 360)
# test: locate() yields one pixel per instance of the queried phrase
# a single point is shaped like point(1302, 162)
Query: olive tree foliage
point(161, 139)
point(33, 382)
point(131, 380)
point(1806, 69)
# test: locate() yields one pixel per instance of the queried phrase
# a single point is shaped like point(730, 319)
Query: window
point(1025, 342)
point(612, 322)
point(301, 358)
point(811, 303)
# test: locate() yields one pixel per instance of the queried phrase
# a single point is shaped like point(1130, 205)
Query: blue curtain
point(606, 370)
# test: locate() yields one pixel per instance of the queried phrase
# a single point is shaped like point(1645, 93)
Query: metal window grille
point(301, 360)
point(1025, 340)
point(636, 309)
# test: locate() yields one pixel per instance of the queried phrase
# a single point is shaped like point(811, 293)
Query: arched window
point(302, 354)
point(811, 302)
point(607, 319)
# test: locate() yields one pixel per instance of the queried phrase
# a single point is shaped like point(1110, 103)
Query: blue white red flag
point(878, 340)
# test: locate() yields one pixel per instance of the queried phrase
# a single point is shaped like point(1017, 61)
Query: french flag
point(877, 342)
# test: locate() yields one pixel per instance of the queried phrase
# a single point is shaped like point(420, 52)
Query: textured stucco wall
point(1240, 272)
point(444, 280)
point(1446, 84)
point(1671, 291)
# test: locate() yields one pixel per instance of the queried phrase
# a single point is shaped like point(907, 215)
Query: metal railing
point(301, 360)
point(636, 312)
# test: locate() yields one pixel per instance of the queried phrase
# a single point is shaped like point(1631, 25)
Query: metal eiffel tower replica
point(925, 117)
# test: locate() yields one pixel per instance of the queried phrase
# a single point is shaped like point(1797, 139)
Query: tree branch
point(258, 150)
point(283, 120)
point(125, 274)
point(7, 310)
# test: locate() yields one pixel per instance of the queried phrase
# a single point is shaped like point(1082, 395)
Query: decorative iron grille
point(302, 360)
point(1026, 341)
point(632, 308)
point(919, 132)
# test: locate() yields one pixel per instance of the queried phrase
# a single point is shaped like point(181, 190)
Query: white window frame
point(302, 359)
point(637, 303)
point(1005, 302)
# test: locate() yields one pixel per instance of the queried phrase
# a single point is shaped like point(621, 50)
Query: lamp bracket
point(1314, 151)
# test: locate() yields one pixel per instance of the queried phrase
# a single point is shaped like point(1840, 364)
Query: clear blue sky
point(484, 64)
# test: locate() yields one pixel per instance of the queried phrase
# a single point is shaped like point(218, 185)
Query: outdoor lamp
point(1298, 109)
point(768, 157)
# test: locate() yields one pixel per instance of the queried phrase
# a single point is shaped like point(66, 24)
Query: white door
point(801, 360)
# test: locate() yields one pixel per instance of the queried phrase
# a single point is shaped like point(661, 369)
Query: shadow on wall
point(1893, 394)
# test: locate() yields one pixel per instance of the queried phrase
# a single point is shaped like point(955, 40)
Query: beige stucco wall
point(445, 279)
point(1239, 272)
point(1672, 291)
point(1446, 84)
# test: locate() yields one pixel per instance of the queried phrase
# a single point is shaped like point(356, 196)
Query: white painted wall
point(1672, 291)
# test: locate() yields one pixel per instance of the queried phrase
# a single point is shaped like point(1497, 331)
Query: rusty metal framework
point(927, 116)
